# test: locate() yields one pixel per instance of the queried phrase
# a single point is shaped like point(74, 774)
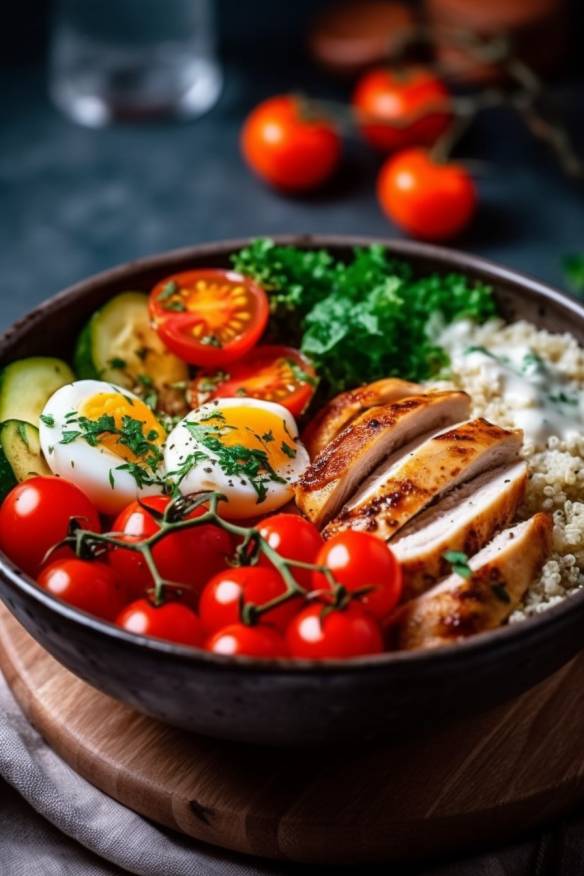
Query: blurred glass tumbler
point(133, 59)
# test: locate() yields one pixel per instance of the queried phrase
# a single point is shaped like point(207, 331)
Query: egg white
point(207, 474)
point(93, 469)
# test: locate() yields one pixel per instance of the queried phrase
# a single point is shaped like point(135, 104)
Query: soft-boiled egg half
point(244, 448)
point(105, 440)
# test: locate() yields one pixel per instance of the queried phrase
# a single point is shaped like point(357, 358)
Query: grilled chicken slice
point(373, 435)
point(465, 520)
point(343, 409)
point(459, 607)
point(406, 483)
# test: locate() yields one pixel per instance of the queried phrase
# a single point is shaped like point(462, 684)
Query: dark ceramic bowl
point(280, 702)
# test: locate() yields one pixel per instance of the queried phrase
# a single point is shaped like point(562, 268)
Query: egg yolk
point(255, 429)
point(119, 406)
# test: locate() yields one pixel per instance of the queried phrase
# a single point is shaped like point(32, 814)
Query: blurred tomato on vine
point(429, 199)
point(289, 144)
point(401, 107)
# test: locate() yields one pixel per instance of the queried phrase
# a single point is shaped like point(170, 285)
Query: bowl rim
point(517, 634)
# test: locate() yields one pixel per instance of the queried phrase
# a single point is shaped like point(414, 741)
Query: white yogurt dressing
point(542, 401)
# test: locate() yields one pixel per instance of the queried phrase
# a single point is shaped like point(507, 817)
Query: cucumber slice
point(119, 345)
point(20, 454)
point(27, 384)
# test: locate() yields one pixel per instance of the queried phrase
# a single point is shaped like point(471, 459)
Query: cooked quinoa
point(556, 469)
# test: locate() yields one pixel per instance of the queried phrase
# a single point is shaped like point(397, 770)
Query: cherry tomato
point(287, 147)
point(221, 599)
point(359, 560)
point(171, 620)
point(189, 557)
point(385, 96)
point(276, 374)
point(319, 632)
point(89, 585)
point(294, 538)
point(428, 200)
point(256, 641)
point(209, 317)
point(35, 516)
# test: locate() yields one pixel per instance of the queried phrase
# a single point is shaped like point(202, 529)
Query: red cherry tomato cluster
point(343, 589)
point(294, 146)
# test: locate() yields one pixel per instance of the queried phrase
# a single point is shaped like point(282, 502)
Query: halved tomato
point(210, 316)
point(276, 374)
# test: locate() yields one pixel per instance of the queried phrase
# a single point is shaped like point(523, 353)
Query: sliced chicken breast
point(353, 454)
point(406, 483)
point(343, 408)
point(458, 607)
point(465, 520)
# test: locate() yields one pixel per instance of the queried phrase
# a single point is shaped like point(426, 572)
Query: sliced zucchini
point(27, 384)
point(20, 454)
point(119, 345)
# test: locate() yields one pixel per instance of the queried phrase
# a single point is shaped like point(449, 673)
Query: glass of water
point(133, 59)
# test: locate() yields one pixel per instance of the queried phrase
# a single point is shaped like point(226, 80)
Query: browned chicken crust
point(353, 454)
point(403, 488)
point(459, 608)
point(343, 408)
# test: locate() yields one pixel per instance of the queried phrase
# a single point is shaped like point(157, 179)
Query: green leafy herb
point(562, 398)
point(211, 341)
point(300, 374)
point(459, 562)
point(210, 382)
point(48, 420)
point(363, 319)
point(532, 363)
point(175, 305)
point(241, 391)
point(289, 451)
point(168, 290)
point(69, 435)
point(267, 437)
point(147, 392)
point(117, 363)
point(574, 271)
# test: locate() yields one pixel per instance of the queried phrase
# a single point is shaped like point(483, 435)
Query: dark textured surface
point(280, 702)
point(75, 201)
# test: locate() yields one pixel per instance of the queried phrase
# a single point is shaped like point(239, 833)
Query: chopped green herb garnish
point(267, 437)
point(234, 459)
point(168, 290)
point(48, 420)
point(289, 451)
point(532, 362)
point(69, 435)
point(117, 363)
point(211, 341)
point(300, 374)
point(241, 391)
point(562, 398)
point(459, 562)
point(176, 305)
point(111, 479)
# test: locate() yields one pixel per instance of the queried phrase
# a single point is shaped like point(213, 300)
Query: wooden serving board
point(477, 782)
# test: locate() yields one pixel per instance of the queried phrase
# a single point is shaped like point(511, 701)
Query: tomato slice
point(276, 374)
point(209, 317)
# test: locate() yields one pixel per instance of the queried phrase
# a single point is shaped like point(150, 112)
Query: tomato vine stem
point(175, 519)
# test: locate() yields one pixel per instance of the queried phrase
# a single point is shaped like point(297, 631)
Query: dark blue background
point(75, 201)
